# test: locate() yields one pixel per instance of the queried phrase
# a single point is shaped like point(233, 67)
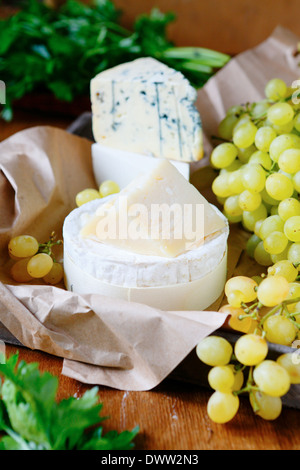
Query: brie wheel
point(190, 281)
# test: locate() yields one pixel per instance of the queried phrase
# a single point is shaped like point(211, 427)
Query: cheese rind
point(148, 108)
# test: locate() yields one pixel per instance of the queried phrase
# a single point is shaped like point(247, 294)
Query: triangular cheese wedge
point(159, 213)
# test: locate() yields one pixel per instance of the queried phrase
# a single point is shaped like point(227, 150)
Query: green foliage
point(43, 49)
point(32, 419)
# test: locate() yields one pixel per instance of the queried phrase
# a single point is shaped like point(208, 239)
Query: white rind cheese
point(147, 108)
point(123, 268)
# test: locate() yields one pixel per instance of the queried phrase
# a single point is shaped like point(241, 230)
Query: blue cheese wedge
point(147, 108)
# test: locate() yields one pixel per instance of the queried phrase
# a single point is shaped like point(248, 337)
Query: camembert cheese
point(148, 108)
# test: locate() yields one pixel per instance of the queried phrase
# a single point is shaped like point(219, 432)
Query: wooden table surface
point(172, 416)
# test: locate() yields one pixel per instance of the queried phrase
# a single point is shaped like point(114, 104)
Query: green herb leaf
point(32, 419)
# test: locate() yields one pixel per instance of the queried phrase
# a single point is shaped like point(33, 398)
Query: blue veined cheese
point(148, 108)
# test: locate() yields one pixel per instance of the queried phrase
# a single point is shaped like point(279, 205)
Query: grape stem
point(250, 387)
point(47, 247)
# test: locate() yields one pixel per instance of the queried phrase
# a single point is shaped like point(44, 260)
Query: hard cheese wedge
point(159, 213)
point(148, 108)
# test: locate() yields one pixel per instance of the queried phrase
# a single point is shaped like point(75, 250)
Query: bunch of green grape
point(107, 188)
point(258, 182)
point(244, 368)
point(34, 260)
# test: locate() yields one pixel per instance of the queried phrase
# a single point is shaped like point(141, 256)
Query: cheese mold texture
point(147, 108)
point(159, 213)
point(190, 281)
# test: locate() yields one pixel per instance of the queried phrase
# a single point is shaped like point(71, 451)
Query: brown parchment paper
point(103, 340)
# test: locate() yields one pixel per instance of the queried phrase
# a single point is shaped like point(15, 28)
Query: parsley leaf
point(32, 419)
point(60, 50)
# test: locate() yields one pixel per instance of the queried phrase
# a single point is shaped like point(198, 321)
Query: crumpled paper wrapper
point(102, 340)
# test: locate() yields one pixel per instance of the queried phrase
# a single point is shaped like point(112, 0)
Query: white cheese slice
point(147, 108)
point(190, 281)
point(159, 213)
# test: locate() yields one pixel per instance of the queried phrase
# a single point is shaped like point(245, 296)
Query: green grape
point(260, 109)
point(284, 129)
point(223, 155)
point(296, 181)
point(222, 407)
point(272, 290)
point(294, 291)
point(214, 351)
point(39, 265)
point(288, 362)
point(108, 187)
point(288, 207)
point(274, 210)
point(284, 268)
point(232, 207)
point(264, 137)
point(220, 185)
point(235, 321)
point(270, 224)
point(261, 158)
point(55, 275)
point(282, 143)
point(235, 165)
point(297, 122)
point(226, 126)
point(244, 154)
point(261, 256)
point(257, 228)
point(249, 201)
point(289, 161)
point(268, 199)
point(272, 378)
point(221, 378)
point(244, 135)
point(254, 177)
point(251, 217)
point(86, 195)
point(250, 349)
point(244, 118)
point(235, 182)
point(279, 330)
point(293, 254)
point(246, 285)
point(23, 246)
point(280, 114)
point(238, 379)
point(269, 408)
point(275, 243)
point(275, 89)
point(19, 271)
point(252, 243)
point(279, 186)
point(292, 228)
point(235, 109)
point(281, 256)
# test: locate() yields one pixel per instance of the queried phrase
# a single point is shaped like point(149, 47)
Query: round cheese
point(190, 281)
